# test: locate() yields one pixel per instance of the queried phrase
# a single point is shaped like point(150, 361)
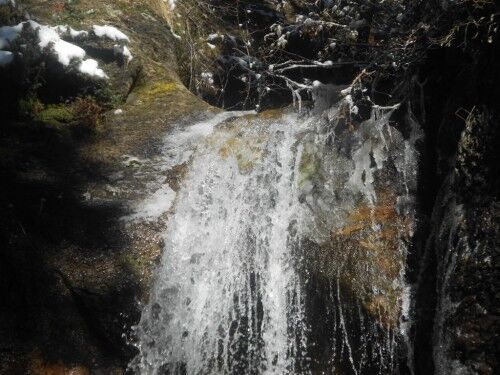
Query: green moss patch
point(156, 90)
point(56, 114)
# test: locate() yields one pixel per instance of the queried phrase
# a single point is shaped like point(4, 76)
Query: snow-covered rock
point(64, 51)
point(110, 32)
point(65, 30)
point(91, 68)
point(50, 40)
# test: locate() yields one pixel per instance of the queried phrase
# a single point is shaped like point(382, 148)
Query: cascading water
point(286, 249)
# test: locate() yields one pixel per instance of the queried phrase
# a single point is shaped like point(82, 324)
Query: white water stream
point(230, 293)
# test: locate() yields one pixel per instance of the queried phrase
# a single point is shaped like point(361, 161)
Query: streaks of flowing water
point(232, 293)
point(222, 299)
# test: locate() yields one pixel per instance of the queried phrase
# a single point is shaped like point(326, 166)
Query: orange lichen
point(383, 211)
point(368, 247)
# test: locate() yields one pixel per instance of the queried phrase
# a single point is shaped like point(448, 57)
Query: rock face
point(461, 254)
point(459, 201)
point(467, 263)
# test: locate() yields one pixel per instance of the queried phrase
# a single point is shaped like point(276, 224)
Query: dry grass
point(87, 112)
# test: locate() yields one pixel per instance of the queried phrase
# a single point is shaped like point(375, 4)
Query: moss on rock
point(157, 89)
point(55, 114)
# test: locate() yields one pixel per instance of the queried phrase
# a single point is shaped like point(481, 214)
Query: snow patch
point(67, 30)
point(91, 67)
point(64, 51)
point(110, 32)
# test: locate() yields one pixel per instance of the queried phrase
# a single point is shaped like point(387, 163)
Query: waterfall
point(285, 252)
